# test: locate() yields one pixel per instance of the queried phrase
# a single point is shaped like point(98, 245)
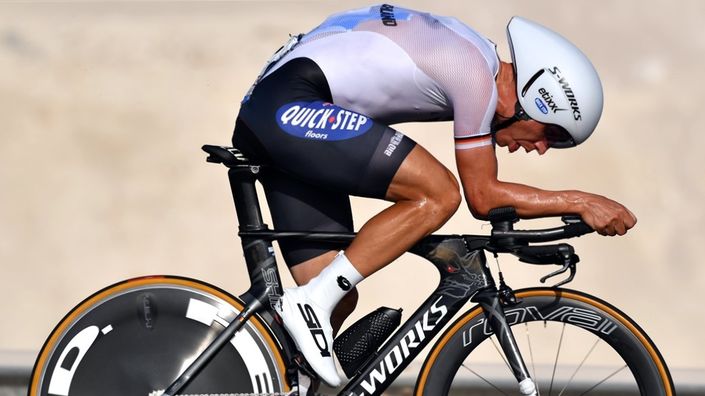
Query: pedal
point(306, 386)
point(299, 366)
point(361, 340)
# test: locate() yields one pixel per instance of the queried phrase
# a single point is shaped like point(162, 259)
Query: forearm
point(528, 201)
point(483, 192)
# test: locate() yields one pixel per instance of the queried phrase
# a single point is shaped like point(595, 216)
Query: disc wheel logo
point(344, 283)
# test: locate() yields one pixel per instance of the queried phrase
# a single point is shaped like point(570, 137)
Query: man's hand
point(606, 216)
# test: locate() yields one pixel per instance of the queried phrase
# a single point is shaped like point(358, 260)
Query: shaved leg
point(425, 195)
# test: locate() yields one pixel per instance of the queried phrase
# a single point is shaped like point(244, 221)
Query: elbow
point(483, 197)
point(480, 203)
point(480, 212)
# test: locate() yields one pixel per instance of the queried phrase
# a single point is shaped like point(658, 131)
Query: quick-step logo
point(321, 121)
point(412, 340)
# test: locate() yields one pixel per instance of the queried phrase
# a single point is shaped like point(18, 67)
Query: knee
point(445, 198)
point(452, 197)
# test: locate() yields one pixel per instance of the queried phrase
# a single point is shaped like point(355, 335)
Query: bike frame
point(459, 260)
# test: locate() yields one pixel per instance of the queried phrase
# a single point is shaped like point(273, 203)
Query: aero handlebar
point(505, 239)
point(504, 234)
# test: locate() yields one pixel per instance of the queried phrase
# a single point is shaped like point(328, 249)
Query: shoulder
point(474, 39)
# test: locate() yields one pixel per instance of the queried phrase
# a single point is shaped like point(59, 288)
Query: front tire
point(586, 333)
point(137, 336)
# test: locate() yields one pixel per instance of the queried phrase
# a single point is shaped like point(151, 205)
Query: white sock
point(333, 283)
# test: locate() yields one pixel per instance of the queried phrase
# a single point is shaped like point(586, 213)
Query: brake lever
point(568, 264)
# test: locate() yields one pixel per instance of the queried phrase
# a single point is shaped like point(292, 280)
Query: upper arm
point(472, 90)
point(477, 168)
point(474, 98)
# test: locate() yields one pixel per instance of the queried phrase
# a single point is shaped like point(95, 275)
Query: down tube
point(459, 282)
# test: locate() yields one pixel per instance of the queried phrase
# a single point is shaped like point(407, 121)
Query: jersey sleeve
point(474, 101)
point(466, 78)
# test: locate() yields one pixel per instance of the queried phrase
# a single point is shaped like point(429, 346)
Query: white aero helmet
point(556, 83)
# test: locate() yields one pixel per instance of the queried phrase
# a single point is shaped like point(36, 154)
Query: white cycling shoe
point(310, 328)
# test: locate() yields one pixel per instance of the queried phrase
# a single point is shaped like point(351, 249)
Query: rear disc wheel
point(137, 336)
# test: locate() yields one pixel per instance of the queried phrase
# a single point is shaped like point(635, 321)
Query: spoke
point(555, 363)
point(580, 366)
point(484, 379)
point(531, 355)
point(606, 378)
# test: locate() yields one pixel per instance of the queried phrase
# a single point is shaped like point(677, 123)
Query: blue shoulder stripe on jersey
point(350, 20)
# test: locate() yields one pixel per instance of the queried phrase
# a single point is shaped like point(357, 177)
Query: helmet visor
point(558, 137)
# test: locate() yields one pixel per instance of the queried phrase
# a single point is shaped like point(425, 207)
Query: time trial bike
point(168, 335)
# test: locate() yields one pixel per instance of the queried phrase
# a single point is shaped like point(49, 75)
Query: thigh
point(298, 206)
point(296, 127)
point(421, 176)
point(333, 148)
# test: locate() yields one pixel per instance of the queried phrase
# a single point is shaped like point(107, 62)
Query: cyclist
point(320, 112)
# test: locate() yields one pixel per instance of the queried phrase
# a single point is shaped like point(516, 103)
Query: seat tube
point(489, 300)
point(259, 252)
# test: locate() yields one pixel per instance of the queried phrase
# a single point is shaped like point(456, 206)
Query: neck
point(506, 90)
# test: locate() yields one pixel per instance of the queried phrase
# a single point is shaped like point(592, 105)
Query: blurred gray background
point(104, 105)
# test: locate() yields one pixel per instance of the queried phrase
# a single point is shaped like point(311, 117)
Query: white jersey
point(399, 65)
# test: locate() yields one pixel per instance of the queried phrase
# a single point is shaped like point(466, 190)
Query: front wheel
point(136, 337)
point(572, 343)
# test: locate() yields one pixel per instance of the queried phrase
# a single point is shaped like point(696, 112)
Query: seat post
point(259, 253)
point(242, 186)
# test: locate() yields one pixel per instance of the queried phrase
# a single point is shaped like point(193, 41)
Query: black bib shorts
point(318, 154)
